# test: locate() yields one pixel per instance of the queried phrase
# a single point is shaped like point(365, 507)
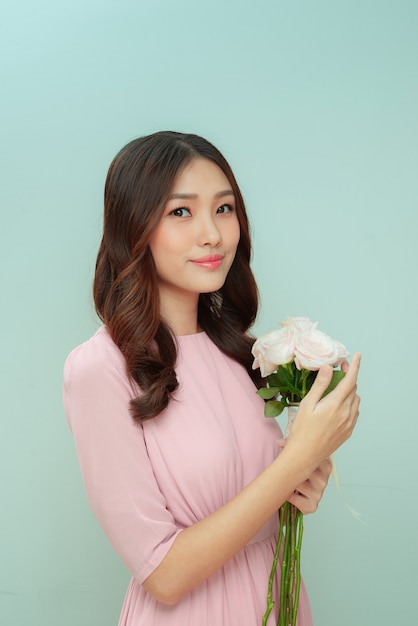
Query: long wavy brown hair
point(138, 185)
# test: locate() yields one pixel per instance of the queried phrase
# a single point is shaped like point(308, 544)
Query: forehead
point(201, 176)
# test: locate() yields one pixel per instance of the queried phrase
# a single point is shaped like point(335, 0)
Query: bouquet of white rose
point(289, 358)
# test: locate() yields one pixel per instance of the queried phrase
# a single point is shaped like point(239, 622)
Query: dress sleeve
point(117, 473)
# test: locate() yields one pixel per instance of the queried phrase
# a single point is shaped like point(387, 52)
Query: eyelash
point(183, 208)
point(230, 207)
point(176, 211)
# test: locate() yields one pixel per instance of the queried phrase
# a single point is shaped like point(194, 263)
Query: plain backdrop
point(315, 105)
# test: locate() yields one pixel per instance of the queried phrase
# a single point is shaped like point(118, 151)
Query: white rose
point(342, 353)
point(299, 324)
point(273, 349)
point(314, 348)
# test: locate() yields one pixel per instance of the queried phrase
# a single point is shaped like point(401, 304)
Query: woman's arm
point(320, 427)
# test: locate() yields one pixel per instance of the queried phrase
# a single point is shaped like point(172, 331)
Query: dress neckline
point(201, 333)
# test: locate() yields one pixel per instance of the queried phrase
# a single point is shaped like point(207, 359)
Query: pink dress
point(145, 483)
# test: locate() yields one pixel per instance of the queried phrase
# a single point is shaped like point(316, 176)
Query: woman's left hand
point(308, 494)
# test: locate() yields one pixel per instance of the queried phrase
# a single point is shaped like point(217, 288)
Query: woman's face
point(194, 244)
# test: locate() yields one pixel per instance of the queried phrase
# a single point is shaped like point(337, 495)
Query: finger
point(355, 407)
point(325, 469)
point(348, 384)
point(306, 504)
point(351, 373)
point(344, 366)
point(305, 490)
point(320, 384)
point(318, 480)
point(298, 500)
point(314, 486)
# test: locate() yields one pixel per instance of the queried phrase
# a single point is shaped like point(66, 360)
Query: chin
point(213, 288)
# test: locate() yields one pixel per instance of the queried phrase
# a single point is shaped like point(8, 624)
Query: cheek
point(233, 233)
point(163, 243)
point(236, 233)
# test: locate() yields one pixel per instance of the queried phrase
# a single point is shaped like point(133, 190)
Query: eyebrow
point(193, 196)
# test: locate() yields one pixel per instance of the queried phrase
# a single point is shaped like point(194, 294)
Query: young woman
point(181, 468)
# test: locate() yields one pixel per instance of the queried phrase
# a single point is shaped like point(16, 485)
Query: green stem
point(283, 580)
point(299, 523)
point(290, 581)
point(303, 394)
point(270, 601)
point(292, 562)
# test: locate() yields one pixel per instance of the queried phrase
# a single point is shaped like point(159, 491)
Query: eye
point(180, 212)
point(225, 208)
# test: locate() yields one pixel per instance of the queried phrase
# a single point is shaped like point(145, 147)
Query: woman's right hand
point(323, 424)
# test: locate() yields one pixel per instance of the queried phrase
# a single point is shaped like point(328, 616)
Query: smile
point(210, 262)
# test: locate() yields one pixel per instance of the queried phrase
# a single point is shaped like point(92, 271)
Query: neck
point(180, 314)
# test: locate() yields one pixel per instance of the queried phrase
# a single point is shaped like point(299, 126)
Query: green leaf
point(273, 408)
point(296, 377)
point(286, 380)
point(273, 380)
point(310, 379)
point(267, 393)
point(337, 376)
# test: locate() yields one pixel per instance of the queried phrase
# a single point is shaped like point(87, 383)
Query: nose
point(209, 233)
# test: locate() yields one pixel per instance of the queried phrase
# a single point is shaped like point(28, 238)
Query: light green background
point(315, 104)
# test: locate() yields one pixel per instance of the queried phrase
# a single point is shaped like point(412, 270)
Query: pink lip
point(211, 261)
